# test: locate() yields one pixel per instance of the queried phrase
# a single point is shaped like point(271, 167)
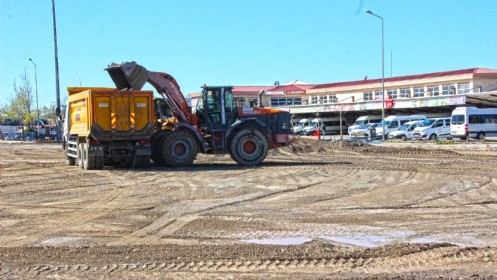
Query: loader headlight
point(285, 127)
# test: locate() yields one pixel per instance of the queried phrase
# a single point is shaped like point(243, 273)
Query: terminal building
point(431, 94)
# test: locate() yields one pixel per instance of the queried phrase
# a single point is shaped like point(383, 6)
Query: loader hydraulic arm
point(130, 75)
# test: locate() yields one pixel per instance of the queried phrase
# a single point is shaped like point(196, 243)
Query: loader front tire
point(249, 147)
point(179, 148)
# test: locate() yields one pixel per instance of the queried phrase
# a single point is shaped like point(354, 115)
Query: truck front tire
point(80, 155)
point(88, 161)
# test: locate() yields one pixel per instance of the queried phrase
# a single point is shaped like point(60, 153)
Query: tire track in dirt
point(186, 212)
point(100, 207)
point(441, 258)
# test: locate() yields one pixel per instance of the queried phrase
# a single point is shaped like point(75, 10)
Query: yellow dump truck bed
point(107, 113)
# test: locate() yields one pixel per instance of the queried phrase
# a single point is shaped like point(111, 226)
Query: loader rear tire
point(249, 147)
point(179, 148)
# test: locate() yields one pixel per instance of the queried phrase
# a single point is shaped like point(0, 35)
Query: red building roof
point(477, 72)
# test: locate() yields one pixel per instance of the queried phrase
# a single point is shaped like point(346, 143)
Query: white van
point(298, 128)
point(405, 131)
point(473, 122)
point(433, 129)
point(327, 126)
point(392, 123)
point(364, 120)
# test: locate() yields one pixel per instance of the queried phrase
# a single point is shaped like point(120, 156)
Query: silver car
point(405, 131)
point(363, 131)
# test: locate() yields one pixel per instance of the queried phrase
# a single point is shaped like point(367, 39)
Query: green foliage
point(21, 101)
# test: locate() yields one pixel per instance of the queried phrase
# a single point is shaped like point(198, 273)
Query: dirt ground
point(313, 210)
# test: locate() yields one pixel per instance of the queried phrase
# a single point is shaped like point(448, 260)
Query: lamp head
point(369, 12)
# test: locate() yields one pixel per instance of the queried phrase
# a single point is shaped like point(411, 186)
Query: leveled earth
point(313, 210)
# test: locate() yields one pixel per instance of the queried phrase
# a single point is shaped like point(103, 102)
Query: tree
point(21, 100)
point(20, 104)
point(49, 113)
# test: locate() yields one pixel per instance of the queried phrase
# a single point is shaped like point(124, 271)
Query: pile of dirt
point(307, 145)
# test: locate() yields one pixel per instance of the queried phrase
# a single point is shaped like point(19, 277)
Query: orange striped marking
point(113, 120)
point(132, 119)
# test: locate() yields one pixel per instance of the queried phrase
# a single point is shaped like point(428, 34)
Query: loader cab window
point(228, 99)
point(213, 103)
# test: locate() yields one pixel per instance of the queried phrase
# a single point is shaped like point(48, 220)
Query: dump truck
point(216, 126)
point(107, 126)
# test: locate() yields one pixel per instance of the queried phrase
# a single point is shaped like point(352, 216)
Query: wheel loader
point(216, 127)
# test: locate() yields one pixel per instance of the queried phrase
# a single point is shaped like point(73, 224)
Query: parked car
point(363, 131)
point(405, 131)
point(433, 129)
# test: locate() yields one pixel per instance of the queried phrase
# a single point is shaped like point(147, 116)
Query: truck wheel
point(70, 160)
point(145, 161)
point(140, 161)
point(179, 148)
point(80, 155)
point(480, 136)
point(137, 161)
point(99, 163)
point(433, 137)
point(249, 147)
point(88, 161)
point(157, 149)
point(403, 137)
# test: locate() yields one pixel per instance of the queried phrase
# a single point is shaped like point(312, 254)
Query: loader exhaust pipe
point(128, 75)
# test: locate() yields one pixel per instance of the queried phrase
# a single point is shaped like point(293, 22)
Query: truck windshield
point(359, 122)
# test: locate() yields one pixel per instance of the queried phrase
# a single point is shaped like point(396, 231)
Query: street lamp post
point(382, 73)
point(57, 86)
point(36, 85)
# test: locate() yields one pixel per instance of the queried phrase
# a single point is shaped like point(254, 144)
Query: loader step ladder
point(218, 145)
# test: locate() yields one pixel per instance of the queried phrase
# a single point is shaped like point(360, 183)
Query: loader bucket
point(128, 75)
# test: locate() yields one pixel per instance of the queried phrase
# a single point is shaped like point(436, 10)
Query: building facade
point(430, 93)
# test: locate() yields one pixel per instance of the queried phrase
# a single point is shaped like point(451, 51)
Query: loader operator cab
point(215, 107)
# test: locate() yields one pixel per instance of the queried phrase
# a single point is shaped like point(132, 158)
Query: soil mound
point(306, 145)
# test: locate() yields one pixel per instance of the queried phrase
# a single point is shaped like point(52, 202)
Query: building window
point(463, 88)
point(285, 101)
point(392, 93)
point(239, 101)
point(253, 102)
point(448, 89)
point(333, 99)
point(323, 99)
point(368, 95)
point(314, 99)
point(435, 90)
point(419, 92)
point(378, 95)
point(404, 93)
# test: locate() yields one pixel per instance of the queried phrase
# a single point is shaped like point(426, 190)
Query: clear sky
point(241, 42)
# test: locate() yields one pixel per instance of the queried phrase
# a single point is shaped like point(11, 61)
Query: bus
point(472, 122)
